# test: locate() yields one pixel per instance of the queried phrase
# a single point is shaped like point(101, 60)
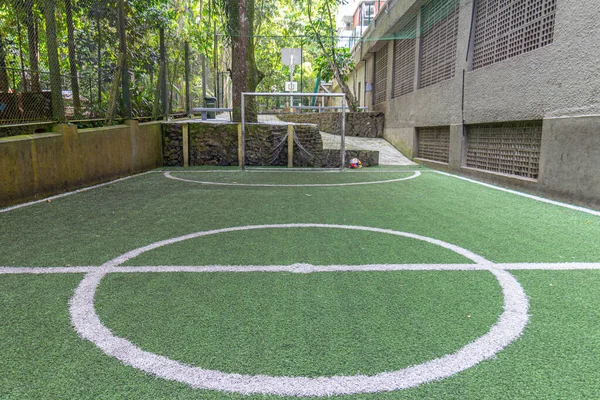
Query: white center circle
point(509, 327)
point(414, 175)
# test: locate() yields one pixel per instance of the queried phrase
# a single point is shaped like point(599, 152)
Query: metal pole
point(203, 58)
point(188, 106)
point(291, 82)
point(216, 65)
point(243, 135)
point(343, 149)
point(301, 69)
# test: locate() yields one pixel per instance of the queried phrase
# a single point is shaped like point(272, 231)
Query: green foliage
point(278, 25)
point(343, 60)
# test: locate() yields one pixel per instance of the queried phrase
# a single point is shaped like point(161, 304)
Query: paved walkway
point(388, 154)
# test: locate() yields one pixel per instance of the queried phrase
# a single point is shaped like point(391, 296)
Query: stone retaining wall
point(360, 124)
point(217, 144)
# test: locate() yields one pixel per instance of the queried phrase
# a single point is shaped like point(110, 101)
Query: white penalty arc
point(413, 176)
point(509, 327)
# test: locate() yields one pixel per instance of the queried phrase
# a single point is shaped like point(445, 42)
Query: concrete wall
point(557, 83)
point(35, 166)
point(571, 158)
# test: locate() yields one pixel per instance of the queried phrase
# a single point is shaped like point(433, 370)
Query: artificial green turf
point(285, 246)
point(557, 358)
point(41, 356)
point(92, 227)
point(285, 324)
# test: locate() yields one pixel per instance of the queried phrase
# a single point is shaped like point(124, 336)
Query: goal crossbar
point(287, 94)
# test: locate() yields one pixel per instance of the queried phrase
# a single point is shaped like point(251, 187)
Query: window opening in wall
point(507, 28)
point(508, 148)
point(439, 30)
point(433, 143)
point(380, 85)
point(404, 59)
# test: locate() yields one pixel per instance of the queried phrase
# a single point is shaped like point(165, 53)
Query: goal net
point(293, 130)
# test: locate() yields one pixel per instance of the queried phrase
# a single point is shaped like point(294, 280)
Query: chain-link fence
point(60, 60)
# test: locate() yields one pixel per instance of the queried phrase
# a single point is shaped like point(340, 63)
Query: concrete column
point(456, 150)
point(369, 75)
point(68, 167)
point(390, 72)
point(134, 134)
point(418, 53)
point(569, 158)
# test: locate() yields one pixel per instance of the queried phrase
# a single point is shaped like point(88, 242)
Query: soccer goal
point(288, 130)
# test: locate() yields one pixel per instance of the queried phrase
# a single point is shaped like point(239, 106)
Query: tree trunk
point(72, 58)
point(245, 75)
point(124, 68)
point(331, 56)
point(163, 76)
point(350, 99)
point(32, 40)
point(99, 62)
point(3, 75)
point(58, 111)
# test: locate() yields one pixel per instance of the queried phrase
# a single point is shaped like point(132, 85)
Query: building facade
point(504, 90)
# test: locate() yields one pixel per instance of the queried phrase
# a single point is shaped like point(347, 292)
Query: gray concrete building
point(503, 90)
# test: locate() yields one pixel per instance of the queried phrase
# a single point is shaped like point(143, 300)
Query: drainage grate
point(380, 86)
point(508, 148)
point(404, 59)
point(434, 143)
point(438, 41)
point(507, 28)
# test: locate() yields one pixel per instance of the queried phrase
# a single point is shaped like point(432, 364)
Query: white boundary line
point(414, 175)
point(508, 328)
point(84, 189)
point(306, 268)
point(522, 194)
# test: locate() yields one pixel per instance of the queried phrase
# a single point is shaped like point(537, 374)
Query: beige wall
point(557, 84)
point(35, 166)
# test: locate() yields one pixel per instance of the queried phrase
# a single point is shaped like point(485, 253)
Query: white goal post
point(257, 94)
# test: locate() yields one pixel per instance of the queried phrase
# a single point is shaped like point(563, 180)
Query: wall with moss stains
point(36, 166)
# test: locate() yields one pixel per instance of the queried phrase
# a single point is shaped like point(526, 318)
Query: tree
point(343, 60)
point(281, 25)
point(58, 111)
point(3, 75)
point(244, 72)
point(26, 8)
point(321, 29)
